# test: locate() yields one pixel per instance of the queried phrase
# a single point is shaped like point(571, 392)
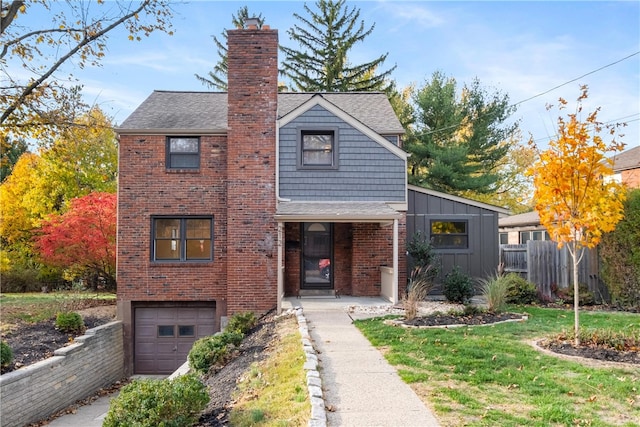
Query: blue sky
point(523, 49)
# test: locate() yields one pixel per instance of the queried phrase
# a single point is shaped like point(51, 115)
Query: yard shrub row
point(215, 350)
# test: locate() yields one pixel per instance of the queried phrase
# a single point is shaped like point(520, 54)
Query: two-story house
point(228, 202)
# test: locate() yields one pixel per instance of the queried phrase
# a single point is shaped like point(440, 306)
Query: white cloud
point(416, 16)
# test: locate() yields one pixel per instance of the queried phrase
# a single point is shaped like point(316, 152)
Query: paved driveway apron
point(359, 385)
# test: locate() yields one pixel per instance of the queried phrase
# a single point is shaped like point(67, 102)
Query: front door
point(317, 255)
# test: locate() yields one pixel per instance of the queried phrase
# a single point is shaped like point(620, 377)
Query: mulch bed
point(448, 319)
point(592, 352)
point(31, 343)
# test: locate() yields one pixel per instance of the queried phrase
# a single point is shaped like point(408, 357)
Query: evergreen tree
point(217, 78)
point(322, 63)
point(10, 152)
point(458, 144)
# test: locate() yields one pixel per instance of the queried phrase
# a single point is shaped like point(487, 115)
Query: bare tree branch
point(11, 11)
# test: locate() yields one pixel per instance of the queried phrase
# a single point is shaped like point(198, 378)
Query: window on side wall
point(182, 239)
point(533, 235)
point(449, 234)
point(318, 149)
point(183, 153)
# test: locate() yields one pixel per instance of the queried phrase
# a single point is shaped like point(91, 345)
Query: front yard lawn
point(492, 376)
point(35, 306)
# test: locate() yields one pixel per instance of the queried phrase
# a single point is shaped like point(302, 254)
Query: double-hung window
point(318, 148)
point(182, 239)
point(449, 234)
point(183, 152)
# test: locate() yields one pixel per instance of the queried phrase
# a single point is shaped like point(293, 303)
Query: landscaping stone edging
point(314, 382)
point(394, 322)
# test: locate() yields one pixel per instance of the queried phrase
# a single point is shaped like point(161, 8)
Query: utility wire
point(545, 92)
point(577, 78)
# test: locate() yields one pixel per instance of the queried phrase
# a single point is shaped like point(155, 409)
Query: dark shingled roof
point(527, 218)
point(629, 159)
point(206, 112)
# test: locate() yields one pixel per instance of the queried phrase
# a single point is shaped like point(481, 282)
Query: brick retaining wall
point(37, 391)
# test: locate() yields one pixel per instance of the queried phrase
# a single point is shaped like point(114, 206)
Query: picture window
point(449, 234)
point(182, 239)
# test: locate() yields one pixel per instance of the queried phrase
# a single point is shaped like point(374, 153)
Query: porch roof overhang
point(336, 212)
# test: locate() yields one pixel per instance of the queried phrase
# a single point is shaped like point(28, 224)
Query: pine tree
point(322, 63)
point(217, 78)
point(458, 144)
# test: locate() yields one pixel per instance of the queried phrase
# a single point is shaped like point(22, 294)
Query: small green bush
point(6, 354)
point(242, 322)
point(457, 286)
point(422, 254)
point(69, 322)
point(494, 289)
point(164, 403)
point(519, 290)
point(213, 350)
point(472, 310)
point(585, 296)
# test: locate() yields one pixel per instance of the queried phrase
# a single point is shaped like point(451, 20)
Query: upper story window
point(182, 239)
point(183, 153)
point(318, 149)
point(449, 234)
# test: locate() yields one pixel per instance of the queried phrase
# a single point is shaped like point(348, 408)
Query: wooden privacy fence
point(542, 263)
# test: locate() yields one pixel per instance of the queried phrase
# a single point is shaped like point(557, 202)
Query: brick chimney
point(252, 59)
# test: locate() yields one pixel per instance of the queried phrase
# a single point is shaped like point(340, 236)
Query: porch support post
point(395, 261)
point(280, 289)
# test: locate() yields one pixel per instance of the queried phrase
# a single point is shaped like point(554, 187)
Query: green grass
point(36, 307)
point(490, 375)
point(274, 392)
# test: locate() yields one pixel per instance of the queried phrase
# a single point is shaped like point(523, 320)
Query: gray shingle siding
point(366, 171)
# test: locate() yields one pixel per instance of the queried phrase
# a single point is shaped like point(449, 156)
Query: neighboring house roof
point(498, 209)
point(528, 218)
point(629, 159)
point(206, 112)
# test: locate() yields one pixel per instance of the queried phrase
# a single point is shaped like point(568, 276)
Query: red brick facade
point(631, 178)
point(251, 198)
point(359, 250)
point(236, 186)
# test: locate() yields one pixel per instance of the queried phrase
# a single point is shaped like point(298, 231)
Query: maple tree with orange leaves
point(573, 191)
point(83, 239)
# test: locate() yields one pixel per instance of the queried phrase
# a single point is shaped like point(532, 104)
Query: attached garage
point(164, 334)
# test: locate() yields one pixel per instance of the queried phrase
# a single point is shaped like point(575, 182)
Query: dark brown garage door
point(164, 336)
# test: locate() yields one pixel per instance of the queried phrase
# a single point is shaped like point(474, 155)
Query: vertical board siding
point(367, 171)
point(542, 263)
point(481, 258)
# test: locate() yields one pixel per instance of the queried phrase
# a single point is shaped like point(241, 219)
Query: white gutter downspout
point(395, 262)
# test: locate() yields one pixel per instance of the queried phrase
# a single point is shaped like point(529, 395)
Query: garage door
point(164, 336)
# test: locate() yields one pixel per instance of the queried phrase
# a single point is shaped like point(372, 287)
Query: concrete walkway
point(359, 385)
